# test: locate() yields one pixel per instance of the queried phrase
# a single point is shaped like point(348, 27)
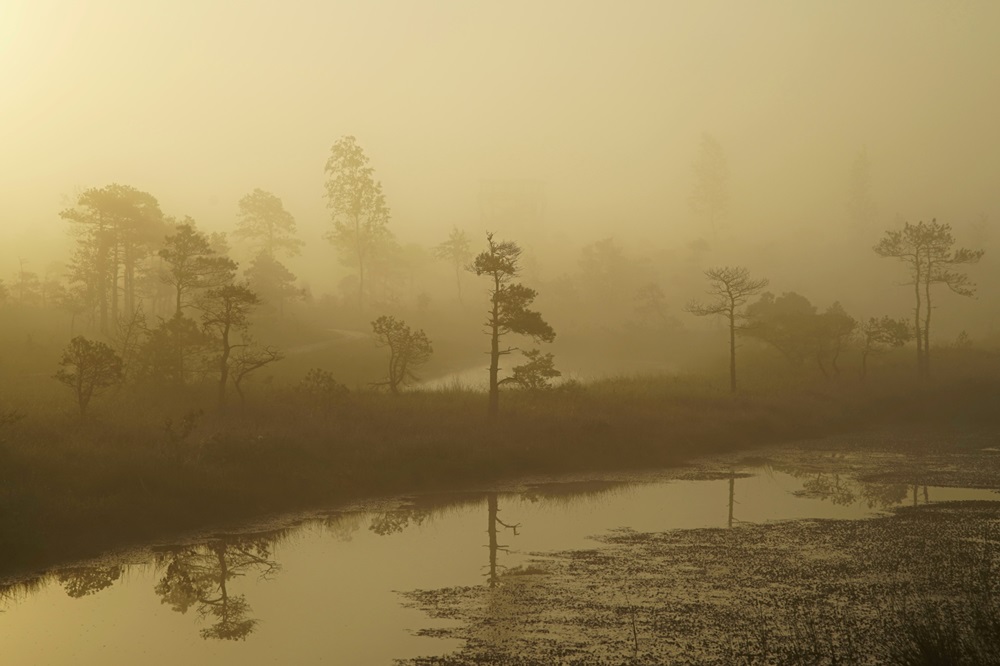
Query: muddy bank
point(800, 592)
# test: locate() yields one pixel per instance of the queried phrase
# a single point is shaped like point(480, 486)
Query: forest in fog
point(231, 217)
point(165, 304)
point(259, 259)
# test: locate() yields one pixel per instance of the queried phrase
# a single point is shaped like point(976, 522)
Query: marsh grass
point(934, 632)
point(72, 487)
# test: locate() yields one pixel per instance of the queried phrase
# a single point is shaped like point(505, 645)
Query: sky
point(200, 101)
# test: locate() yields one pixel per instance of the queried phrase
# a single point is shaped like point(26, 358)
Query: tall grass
point(71, 487)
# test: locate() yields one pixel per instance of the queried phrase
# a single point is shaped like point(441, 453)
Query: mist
point(704, 290)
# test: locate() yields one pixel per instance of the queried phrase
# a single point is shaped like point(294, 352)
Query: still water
point(323, 588)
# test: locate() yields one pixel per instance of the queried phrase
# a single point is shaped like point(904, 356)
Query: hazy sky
point(200, 101)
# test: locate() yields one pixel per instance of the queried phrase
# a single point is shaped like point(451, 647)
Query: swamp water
point(325, 588)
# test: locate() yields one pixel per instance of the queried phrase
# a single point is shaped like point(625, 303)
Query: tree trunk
point(822, 368)
point(237, 384)
point(927, 324)
point(115, 263)
point(916, 322)
point(732, 495)
point(361, 264)
point(224, 367)
point(494, 404)
point(129, 277)
point(732, 350)
point(361, 283)
point(491, 529)
point(864, 364)
point(102, 272)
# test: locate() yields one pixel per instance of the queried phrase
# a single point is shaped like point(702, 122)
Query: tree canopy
point(929, 254)
point(509, 306)
point(357, 206)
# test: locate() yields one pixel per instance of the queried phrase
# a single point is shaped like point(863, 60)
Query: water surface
point(324, 588)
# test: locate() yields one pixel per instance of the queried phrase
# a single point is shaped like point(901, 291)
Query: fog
point(597, 112)
point(699, 291)
point(199, 102)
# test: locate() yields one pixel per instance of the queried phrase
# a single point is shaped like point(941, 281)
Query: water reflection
point(420, 509)
point(82, 581)
point(843, 490)
point(397, 520)
point(15, 591)
point(732, 496)
point(492, 576)
point(199, 577)
point(423, 542)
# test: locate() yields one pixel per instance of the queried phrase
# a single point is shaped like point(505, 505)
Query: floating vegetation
point(916, 586)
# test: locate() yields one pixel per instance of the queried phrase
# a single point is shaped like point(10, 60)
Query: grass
point(72, 488)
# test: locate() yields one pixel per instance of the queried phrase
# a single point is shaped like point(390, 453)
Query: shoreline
point(244, 467)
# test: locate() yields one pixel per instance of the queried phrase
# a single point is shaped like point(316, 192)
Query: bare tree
point(730, 287)
point(508, 311)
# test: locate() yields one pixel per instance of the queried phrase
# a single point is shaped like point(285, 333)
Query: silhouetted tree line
point(163, 302)
point(792, 325)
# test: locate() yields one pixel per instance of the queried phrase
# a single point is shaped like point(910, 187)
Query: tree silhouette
point(787, 322)
point(509, 311)
point(790, 324)
point(192, 264)
point(536, 373)
point(172, 349)
point(407, 350)
point(926, 249)
point(264, 221)
point(116, 228)
point(357, 207)
point(836, 328)
point(880, 335)
point(272, 280)
point(455, 250)
point(249, 357)
point(225, 311)
point(88, 368)
point(731, 287)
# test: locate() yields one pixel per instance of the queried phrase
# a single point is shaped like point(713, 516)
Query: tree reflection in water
point(15, 591)
point(422, 508)
point(493, 575)
point(199, 577)
point(82, 581)
point(845, 491)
